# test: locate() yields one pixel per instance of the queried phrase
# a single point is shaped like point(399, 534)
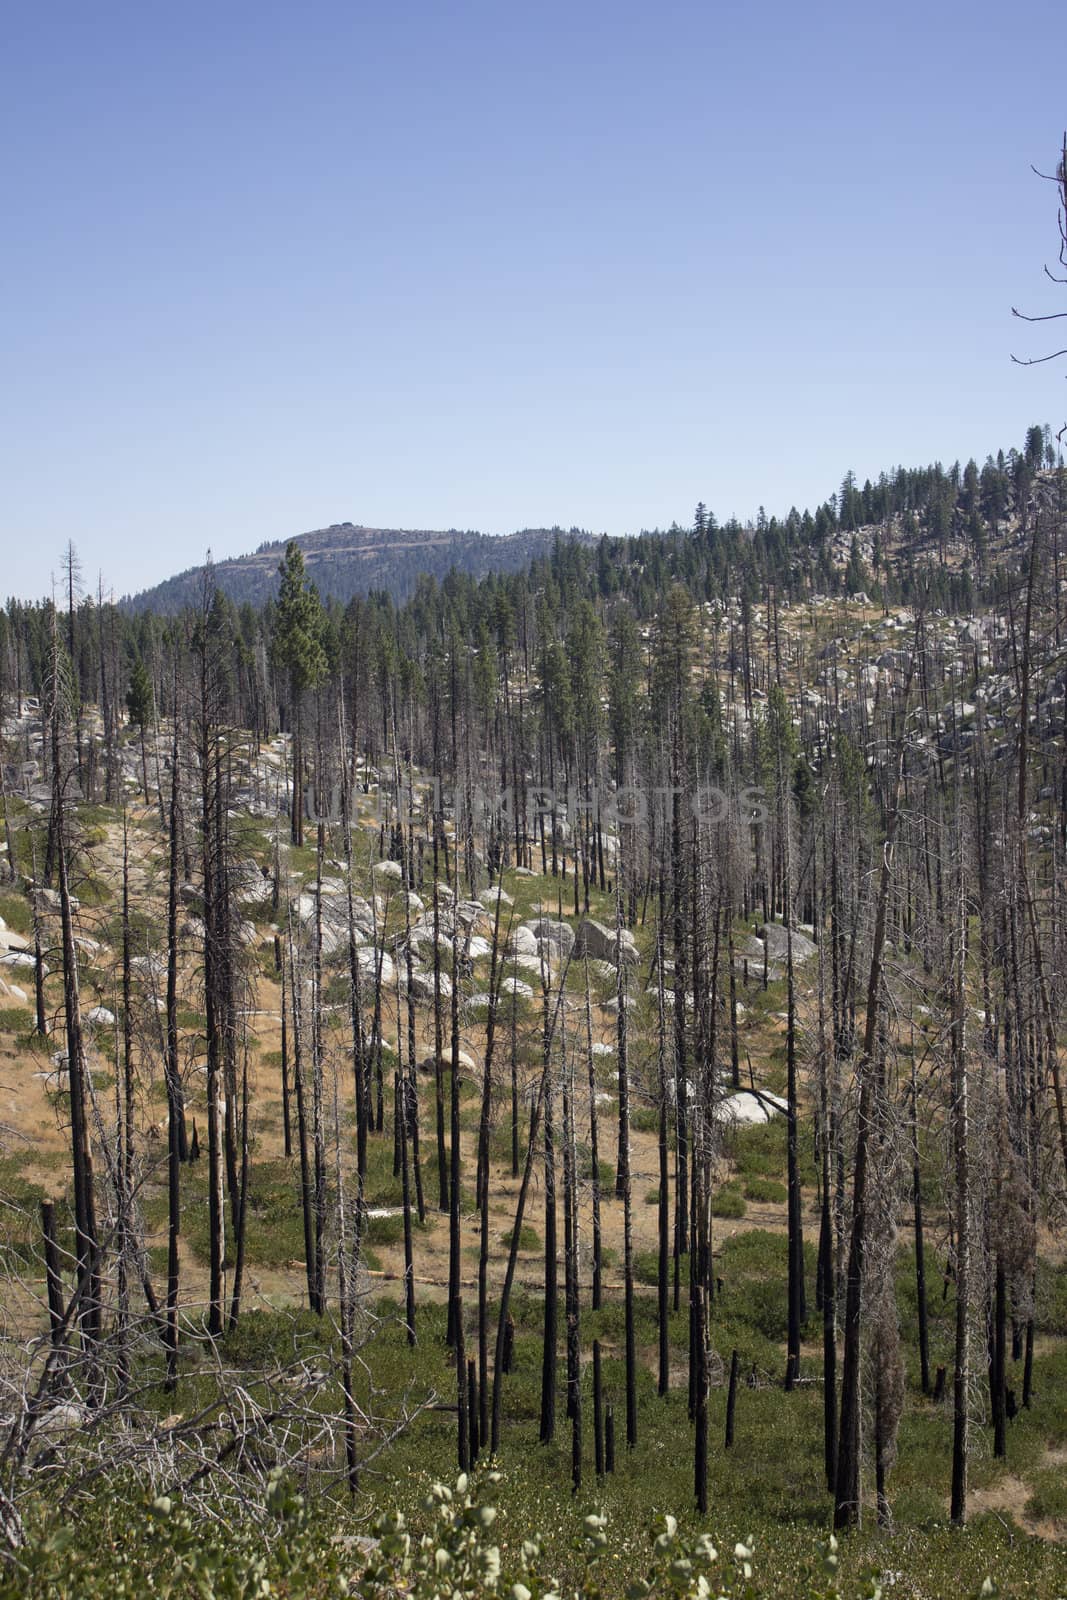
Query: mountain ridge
point(347, 559)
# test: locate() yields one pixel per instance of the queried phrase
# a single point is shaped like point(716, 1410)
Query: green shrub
point(1049, 1497)
point(529, 1239)
point(767, 1190)
point(93, 891)
point(385, 1230)
point(646, 1266)
point(273, 1338)
point(1050, 1311)
point(15, 910)
point(728, 1202)
point(91, 815)
point(760, 1151)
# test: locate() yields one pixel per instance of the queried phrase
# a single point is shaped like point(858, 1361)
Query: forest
point(552, 1084)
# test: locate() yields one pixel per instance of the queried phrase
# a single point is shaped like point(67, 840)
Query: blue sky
point(268, 267)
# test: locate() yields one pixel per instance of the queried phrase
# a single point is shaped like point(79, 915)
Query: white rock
point(599, 942)
point(556, 934)
point(368, 958)
point(748, 1107)
point(491, 896)
point(776, 939)
point(150, 967)
point(530, 964)
point(421, 985)
point(523, 942)
point(21, 959)
point(465, 1062)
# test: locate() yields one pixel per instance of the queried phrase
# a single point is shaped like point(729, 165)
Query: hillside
point(951, 529)
point(345, 560)
point(495, 1024)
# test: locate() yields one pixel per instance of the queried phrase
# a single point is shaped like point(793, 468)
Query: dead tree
point(622, 1044)
point(551, 1293)
point(847, 1502)
point(961, 1135)
point(172, 1071)
point(594, 1146)
point(87, 1243)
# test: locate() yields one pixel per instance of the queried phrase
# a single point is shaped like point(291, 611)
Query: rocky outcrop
point(600, 944)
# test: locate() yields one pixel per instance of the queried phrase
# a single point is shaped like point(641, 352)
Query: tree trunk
point(847, 1504)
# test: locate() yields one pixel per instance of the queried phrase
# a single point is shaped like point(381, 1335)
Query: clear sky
point(491, 265)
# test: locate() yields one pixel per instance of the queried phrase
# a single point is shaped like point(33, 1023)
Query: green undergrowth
point(529, 1238)
point(728, 1201)
point(15, 910)
point(766, 1191)
point(759, 1151)
point(768, 1490)
point(493, 1532)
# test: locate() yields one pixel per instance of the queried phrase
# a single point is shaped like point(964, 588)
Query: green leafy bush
point(456, 1546)
point(15, 910)
point(766, 1190)
point(728, 1202)
point(529, 1239)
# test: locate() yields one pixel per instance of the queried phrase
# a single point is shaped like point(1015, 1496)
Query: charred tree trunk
point(594, 1146)
point(551, 1314)
point(627, 1192)
point(920, 1251)
point(172, 1076)
point(307, 1193)
point(663, 1201)
point(847, 1503)
point(961, 1152)
point(455, 1282)
point(87, 1247)
point(484, 1121)
point(438, 1045)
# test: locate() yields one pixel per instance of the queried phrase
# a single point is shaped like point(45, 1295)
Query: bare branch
point(1036, 361)
point(1050, 316)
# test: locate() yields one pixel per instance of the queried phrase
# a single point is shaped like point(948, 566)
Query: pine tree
point(298, 649)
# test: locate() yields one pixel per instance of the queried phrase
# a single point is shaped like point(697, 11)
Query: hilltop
point(347, 559)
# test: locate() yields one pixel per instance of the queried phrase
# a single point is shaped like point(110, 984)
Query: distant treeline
point(950, 536)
